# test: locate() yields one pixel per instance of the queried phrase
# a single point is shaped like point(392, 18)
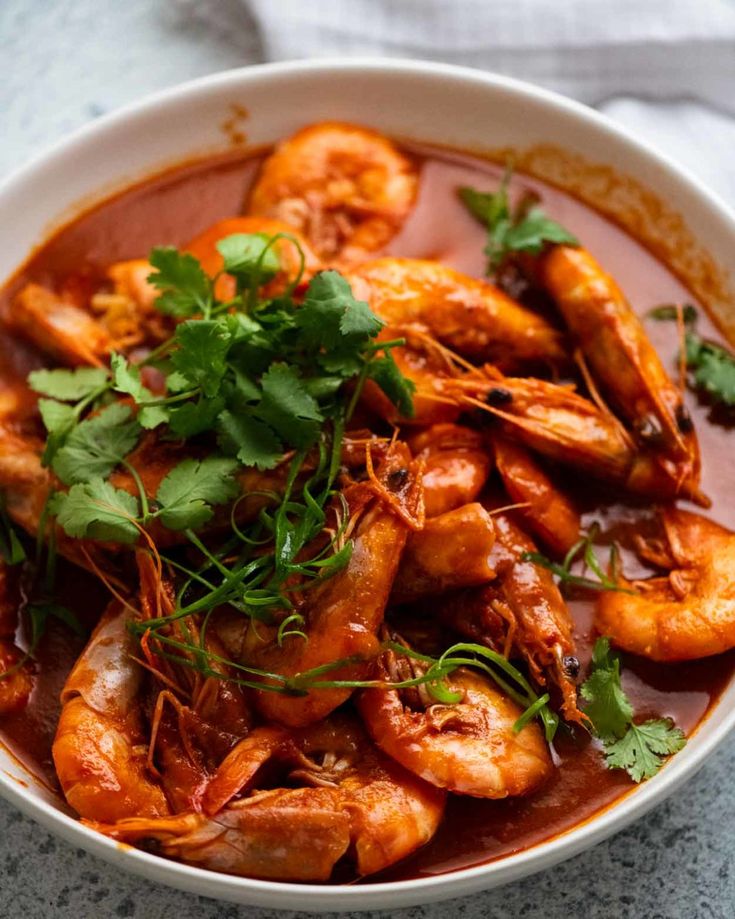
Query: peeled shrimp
point(347, 189)
point(474, 318)
point(58, 328)
point(548, 512)
point(456, 466)
point(452, 550)
point(688, 614)
point(100, 747)
point(348, 798)
point(343, 615)
point(468, 747)
point(614, 342)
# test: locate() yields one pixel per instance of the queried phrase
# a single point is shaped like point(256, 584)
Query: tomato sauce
point(173, 208)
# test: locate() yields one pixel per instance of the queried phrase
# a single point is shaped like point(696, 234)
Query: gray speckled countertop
point(63, 63)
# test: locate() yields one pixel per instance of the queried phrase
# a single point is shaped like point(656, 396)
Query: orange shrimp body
point(469, 747)
point(456, 466)
point(349, 798)
point(100, 746)
point(473, 317)
point(548, 512)
point(688, 614)
point(347, 189)
point(343, 615)
point(612, 339)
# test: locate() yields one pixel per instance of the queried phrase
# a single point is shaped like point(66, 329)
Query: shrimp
point(613, 340)
point(521, 613)
point(58, 328)
point(474, 318)
point(456, 466)
point(342, 616)
point(549, 513)
point(451, 551)
point(688, 614)
point(15, 686)
point(100, 746)
point(469, 747)
point(347, 189)
point(349, 799)
point(204, 248)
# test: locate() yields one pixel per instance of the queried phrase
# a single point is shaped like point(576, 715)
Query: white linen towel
point(665, 68)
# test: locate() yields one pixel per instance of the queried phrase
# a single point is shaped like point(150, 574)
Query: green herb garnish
point(639, 749)
point(525, 229)
point(583, 549)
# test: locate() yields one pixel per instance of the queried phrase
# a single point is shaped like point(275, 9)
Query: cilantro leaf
point(522, 231)
point(250, 257)
point(67, 385)
point(97, 510)
point(533, 231)
point(186, 494)
point(203, 346)
point(641, 749)
point(287, 407)
point(713, 368)
point(56, 416)
point(332, 318)
point(96, 446)
point(126, 379)
point(608, 707)
point(250, 439)
point(185, 288)
point(192, 418)
point(399, 389)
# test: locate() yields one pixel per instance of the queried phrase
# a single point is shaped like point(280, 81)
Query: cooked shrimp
point(469, 747)
point(688, 614)
point(471, 316)
point(60, 329)
point(15, 687)
point(614, 342)
point(347, 189)
point(204, 248)
point(521, 614)
point(349, 799)
point(451, 551)
point(100, 745)
point(548, 512)
point(456, 466)
point(343, 615)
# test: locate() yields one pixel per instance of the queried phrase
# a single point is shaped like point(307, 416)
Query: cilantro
point(670, 311)
point(194, 418)
point(332, 319)
point(524, 230)
point(185, 288)
point(385, 372)
point(250, 439)
point(200, 358)
point(67, 385)
point(608, 707)
point(287, 407)
point(250, 257)
point(637, 748)
point(641, 749)
point(11, 548)
point(96, 446)
point(126, 379)
point(96, 510)
point(712, 368)
point(583, 549)
point(186, 494)
point(56, 416)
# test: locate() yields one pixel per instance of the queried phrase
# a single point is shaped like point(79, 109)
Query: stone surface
point(64, 62)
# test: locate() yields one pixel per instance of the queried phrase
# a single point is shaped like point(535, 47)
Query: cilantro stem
point(146, 515)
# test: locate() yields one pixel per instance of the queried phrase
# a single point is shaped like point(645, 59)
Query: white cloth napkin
point(665, 68)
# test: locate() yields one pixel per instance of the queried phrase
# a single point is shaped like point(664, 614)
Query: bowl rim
point(540, 856)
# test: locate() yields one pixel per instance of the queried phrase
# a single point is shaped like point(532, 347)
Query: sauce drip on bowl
point(172, 209)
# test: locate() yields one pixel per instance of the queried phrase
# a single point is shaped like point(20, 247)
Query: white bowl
point(554, 138)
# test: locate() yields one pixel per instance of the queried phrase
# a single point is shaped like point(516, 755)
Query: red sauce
point(173, 208)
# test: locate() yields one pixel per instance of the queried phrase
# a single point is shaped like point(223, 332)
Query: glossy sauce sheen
point(174, 208)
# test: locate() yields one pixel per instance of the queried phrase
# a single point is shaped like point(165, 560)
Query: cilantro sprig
point(638, 748)
point(711, 366)
point(523, 229)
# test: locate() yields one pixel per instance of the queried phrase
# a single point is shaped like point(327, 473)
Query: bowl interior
point(549, 137)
